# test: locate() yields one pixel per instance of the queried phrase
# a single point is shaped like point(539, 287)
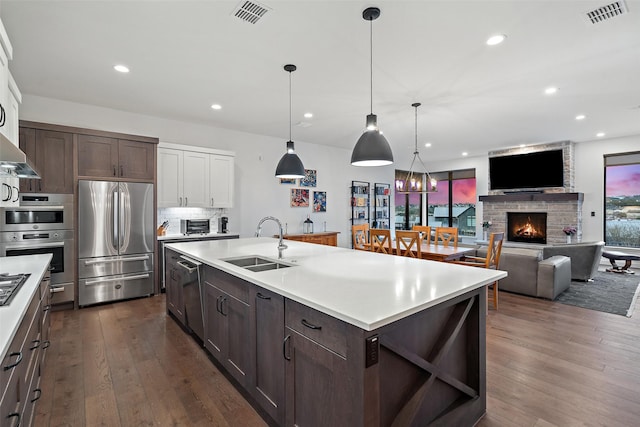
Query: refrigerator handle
point(116, 217)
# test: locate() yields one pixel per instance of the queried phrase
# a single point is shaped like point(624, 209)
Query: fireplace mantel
point(533, 197)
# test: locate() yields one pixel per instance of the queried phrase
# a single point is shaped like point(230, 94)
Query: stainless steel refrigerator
point(116, 237)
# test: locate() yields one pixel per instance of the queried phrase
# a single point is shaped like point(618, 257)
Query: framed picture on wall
point(288, 181)
point(299, 198)
point(310, 178)
point(319, 201)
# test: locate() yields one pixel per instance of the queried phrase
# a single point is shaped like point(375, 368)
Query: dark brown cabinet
point(269, 363)
point(23, 361)
point(175, 297)
point(51, 153)
point(317, 373)
point(104, 157)
point(227, 322)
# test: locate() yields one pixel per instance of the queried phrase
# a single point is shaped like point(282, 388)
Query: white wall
point(258, 192)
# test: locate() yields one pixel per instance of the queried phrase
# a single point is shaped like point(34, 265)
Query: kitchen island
point(344, 337)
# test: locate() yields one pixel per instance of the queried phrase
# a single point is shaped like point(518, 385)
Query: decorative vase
point(568, 238)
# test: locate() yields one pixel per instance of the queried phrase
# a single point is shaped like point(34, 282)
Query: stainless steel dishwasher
point(192, 293)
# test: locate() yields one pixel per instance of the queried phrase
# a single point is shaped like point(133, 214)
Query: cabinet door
point(9, 192)
point(221, 181)
point(54, 162)
point(136, 160)
point(269, 365)
point(316, 379)
point(215, 324)
point(175, 300)
point(169, 177)
point(97, 156)
point(238, 358)
point(195, 179)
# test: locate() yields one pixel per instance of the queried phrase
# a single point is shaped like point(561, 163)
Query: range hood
point(13, 162)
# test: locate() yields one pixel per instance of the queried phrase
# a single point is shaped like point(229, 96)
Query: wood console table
point(329, 238)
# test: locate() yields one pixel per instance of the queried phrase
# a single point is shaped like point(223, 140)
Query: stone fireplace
point(561, 209)
point(527, 227)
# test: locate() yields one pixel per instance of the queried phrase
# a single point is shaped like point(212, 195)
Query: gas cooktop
point(9, 285)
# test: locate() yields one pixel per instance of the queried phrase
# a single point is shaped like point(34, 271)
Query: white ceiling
point(186, 55)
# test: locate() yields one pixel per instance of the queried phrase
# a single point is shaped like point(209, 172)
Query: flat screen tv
point(542, 169)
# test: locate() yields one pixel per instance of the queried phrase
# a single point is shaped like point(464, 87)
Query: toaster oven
point(194, 226)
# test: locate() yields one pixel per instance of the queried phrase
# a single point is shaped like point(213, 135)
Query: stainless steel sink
point(256, 263)
point(248, 261)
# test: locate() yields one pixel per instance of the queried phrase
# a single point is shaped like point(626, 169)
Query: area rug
point(609, 292)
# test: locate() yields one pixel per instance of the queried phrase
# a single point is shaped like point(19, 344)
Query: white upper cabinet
point(221, 181)
point(194, 177)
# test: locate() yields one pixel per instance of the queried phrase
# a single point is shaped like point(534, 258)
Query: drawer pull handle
point(14, 415)
point(259, 295)
point(56, 290)
point(39, 392)
point(16, 363)
point(284, 347)
point(36, 344)
point(310, 325)
point(46, 307)
point(46, 345)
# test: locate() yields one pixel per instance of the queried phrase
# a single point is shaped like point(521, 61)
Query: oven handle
point(116, 279)
point(136, 258)
point(36, 246)
point(37, 208)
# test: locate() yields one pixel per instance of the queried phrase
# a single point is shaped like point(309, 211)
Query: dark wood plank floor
point(128, 364)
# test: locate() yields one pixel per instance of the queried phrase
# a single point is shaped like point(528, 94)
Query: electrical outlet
point(372, 351)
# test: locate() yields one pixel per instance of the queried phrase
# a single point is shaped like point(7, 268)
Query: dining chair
point(445, 235)
point(491, 261)
point(360, 236)
point(381, 240)
point(425, 233)
point(408, 244)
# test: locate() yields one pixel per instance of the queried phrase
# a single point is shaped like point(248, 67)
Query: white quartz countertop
point(11, 315)
point(179, 236)
point(365, 289)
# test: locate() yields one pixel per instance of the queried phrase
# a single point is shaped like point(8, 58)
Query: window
point(622, 200)
point(454, 204)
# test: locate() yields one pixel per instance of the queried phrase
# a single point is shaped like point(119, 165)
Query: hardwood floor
point(128, 364)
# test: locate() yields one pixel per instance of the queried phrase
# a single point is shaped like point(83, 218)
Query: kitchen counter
point(365, 289)
point(11, 315)
point(179, 236)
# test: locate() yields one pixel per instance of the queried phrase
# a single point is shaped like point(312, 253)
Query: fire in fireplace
point(527, 227)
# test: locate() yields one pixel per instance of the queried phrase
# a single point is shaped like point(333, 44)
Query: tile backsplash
point(174, 215)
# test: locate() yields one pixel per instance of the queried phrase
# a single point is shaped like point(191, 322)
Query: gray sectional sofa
point(547, 271)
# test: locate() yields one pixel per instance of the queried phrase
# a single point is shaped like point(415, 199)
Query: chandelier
point(414, 180)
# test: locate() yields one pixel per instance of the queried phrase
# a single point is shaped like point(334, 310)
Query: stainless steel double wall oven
point(43, 224)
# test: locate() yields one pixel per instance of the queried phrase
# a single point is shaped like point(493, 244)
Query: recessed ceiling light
point(216, 106)
point(600, 134)
point(496, 39)
point(121, 68)
point(427, 144)
point(581, 117)
point(551, 90)
point(464, 153)
point(308, 115)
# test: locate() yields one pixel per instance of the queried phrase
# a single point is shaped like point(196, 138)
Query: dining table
point(435, 252)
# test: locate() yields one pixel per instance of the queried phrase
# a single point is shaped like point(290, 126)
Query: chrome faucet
point(281, 246)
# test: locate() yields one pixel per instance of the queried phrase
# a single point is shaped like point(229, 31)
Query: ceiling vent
point(250, 11)
point(607, 12)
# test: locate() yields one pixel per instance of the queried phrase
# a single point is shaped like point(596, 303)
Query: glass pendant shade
point(290, 165)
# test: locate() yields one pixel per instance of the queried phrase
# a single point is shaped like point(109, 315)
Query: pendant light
point(290, 165)
point(413, 181)
point(372, 149)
